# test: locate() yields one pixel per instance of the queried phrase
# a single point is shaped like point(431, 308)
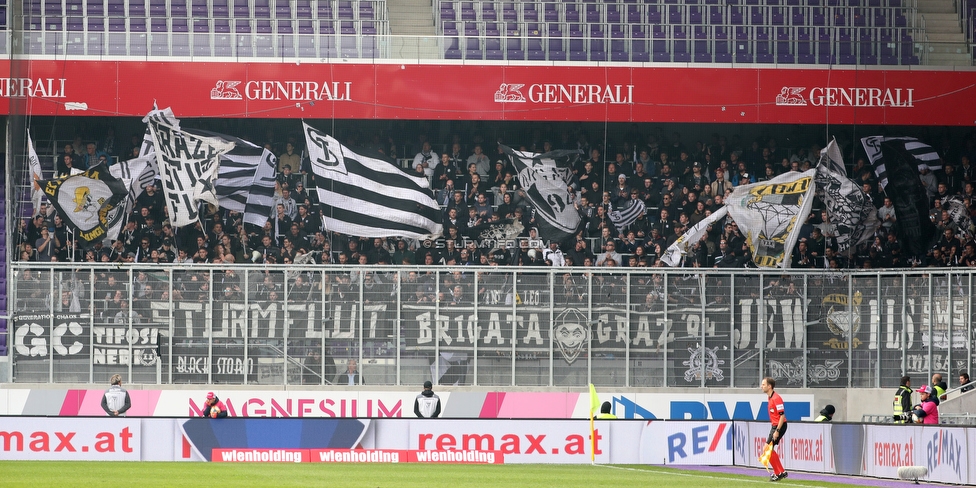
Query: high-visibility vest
point(939, 391)
point(898, 410)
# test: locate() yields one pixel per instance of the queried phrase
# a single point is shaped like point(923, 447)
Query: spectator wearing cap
point(696, 180)
point(927, 412)
point(621, 192)
point(213, 407)
point(428, 404)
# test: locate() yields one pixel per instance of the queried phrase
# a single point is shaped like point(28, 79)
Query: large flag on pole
point(770, 214)
point(545, 178)
point(34, 164)
point(897, 161)
point(85, 201)
point(246, 180)
point(848, 207)
point(681, 246)
point(367, 197)
point(188, 165)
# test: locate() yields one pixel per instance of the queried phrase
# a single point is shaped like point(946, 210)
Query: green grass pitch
point(148, 474)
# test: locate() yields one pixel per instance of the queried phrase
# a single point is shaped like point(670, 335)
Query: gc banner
point(61, 335)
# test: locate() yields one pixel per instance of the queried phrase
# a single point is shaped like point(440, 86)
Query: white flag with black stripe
point(692, 236)
point(246, 180)
point(628, 215)
point(187, 165)
point(368, 197)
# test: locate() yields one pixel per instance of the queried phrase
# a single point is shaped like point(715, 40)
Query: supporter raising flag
point(770, 215)
point(368, 197)
point(848, 207)
point(546, 179)
point(85, 201)
point(897, 161)
point(628, 215)
point(684, 243)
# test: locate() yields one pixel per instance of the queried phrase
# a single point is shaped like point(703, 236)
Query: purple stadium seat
point(177, 8)
point(137, 8)
point(116, 25)
point(262, 9)
point(613, 13)
point(158, 25)
point(513, 48)
point(282, 9)
point(157, 8)
point(716, 14)
point(448, 15)
point(74, 24)
point(509, 11)
point(577, 50)
point(72, 7)
point(593, 14)
point(52, 7)
point(556, 50)
point(493, 49)
point(179, 25)
point(324, 11)
point(472, 49)
point(303, 9)
point(95, 8)
point(491, 29)
point(242, 26)
point(695, 14)
point(736, 15)
point(551, 13)
point(327, 27)
point(452, 48)
point(471, 29)
point(347, 27)
point(572, 12)
point(137, 24)
point(201, 25)
point(97, 24)
point(198, 8)
point(221, 26)
point(116, 8)
point(598, 49)
point(535, 50)
point(488, 13)
point(530, 12)
point(242, 9)
point(468, 12)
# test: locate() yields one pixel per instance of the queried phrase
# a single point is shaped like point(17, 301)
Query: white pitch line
point(691, 475)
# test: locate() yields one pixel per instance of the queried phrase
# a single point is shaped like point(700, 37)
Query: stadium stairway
point(412, 27)
point(943, 29)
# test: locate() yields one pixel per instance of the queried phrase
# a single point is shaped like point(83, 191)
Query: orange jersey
point(776, 408)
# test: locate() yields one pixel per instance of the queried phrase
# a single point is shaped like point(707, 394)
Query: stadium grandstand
point(241, 221)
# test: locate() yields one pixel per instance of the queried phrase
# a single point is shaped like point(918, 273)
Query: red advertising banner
point(524, 93)
point(356, 456)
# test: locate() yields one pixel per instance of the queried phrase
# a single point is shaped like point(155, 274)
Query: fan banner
point(770, 215)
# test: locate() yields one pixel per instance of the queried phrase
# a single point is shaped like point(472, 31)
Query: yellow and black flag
point(85, 201)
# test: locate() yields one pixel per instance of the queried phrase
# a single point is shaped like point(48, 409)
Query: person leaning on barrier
point(826, 414)
point(903, 401)
point(964, 382)
point(116, 401)
point(214, 408)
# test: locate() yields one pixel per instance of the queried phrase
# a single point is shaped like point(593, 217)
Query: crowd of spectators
point(475, 183)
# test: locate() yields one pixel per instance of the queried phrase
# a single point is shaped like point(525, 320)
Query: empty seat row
point(264, 26)
point(503, 5)
point(335, 9)
point(727, 50)
point(692, 14)
point(200, 44)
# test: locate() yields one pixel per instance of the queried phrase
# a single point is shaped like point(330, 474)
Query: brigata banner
point(576, 93)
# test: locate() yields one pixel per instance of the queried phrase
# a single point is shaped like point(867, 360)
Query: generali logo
point(846, 97)
point(556, 93)
point(294, 91)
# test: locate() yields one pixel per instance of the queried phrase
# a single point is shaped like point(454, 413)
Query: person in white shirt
point(554, 254)
point(426, 158)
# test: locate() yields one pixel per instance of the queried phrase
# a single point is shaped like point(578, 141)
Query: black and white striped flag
point(246, 180)
point(628, 215)
point(924, 155)
point(897, 161)
point(368, 197)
